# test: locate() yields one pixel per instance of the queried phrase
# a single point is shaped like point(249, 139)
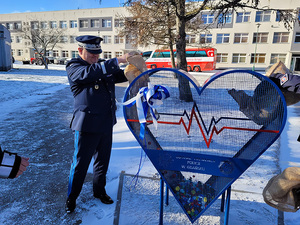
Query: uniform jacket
point(288, 82)
point(9, 164)
point(93, 87)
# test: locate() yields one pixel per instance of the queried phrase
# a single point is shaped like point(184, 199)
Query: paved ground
point(42, 133)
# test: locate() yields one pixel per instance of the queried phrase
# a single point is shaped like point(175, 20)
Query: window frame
point(263, 16)
point(240, 37)
point(243, 16)
point(281, 36)
point(73, 23)
point(259, 37)
point(95, 23)
point(258, 57)
point(106, 23)
point(223, 37)
point(206, 37)
point(276, 56)
point(83, 23)
point(207, 18)
point(221, 56)
point(239, 57)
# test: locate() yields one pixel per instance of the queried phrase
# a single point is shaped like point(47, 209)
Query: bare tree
point(42, 39)
point(144, 15)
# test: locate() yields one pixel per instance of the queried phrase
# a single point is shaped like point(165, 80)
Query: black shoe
point(104, 199)
point(70, 205)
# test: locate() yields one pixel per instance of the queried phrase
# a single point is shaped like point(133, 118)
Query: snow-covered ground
point(36, 107)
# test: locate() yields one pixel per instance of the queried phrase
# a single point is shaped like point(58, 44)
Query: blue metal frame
point(200, 90)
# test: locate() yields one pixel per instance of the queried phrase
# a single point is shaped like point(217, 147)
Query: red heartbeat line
point(214, 129)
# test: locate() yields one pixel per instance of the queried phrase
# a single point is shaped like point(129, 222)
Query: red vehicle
point(198, 59)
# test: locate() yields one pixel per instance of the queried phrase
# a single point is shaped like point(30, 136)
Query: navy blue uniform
point(9, 164)
point(93, 87)
point(288, 82)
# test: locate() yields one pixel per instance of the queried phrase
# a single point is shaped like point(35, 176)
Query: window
point(222, 57)
point(48, 53)
point(278, 16)
point(107, 55)
point(281, 37)
point(63, 39)
point(260, 37)
point(106, 39)
point(276, 57)
point(238, 58)
point(297, 37)
point(259, 58)
point(13, 52)
point(205, 38)
point(263, 16)
point(242, 17)
point(222, 38)
point(65, 54)
point(225, 18)
point(240, 38)
point(63, 24)
point(95, 23)
point(10, 26)
point(44, 25)
point(72, 39)
point(83, 23)
point(119, 23)
point(131, 39)
point(12, 39)
point(160, 54)
point(119, 40)
point(18, 39)
point(74, 54)
point(19, 52)
point(119, 54)
point(53, 24)
point(34, 25)
point(55, 53)
point(208, 19)
point(106, 22)
point(190, 38)
point(18, 25)
point(73, 23)
point(195, 54)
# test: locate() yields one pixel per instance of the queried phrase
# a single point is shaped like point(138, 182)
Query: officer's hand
point(23, 165)
point(123, 58)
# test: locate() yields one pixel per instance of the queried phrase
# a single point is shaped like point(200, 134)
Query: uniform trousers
point(88, 145)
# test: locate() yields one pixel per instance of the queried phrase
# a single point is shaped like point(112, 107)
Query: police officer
point(92, 82)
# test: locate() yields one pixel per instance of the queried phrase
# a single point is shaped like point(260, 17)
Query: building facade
point(247, 39)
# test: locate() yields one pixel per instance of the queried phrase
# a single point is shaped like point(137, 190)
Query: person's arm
point(287, 81)
point(12, 165)
point(81, 73)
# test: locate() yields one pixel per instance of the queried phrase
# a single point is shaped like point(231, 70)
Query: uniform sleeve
point(288, 82)
point(119, 76)
point(9, 164)
point(83, 73)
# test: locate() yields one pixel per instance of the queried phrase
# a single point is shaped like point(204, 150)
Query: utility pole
point(257, 25)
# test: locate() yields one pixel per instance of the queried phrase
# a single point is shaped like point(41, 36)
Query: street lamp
point(257, 26)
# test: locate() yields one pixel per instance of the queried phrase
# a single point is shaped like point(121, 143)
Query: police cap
point(90, 43)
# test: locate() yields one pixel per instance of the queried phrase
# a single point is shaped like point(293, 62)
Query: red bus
point(198, 59)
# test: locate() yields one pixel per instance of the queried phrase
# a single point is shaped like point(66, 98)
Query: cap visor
point(98, 51)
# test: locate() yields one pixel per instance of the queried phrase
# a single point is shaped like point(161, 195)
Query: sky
point(21, 6)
